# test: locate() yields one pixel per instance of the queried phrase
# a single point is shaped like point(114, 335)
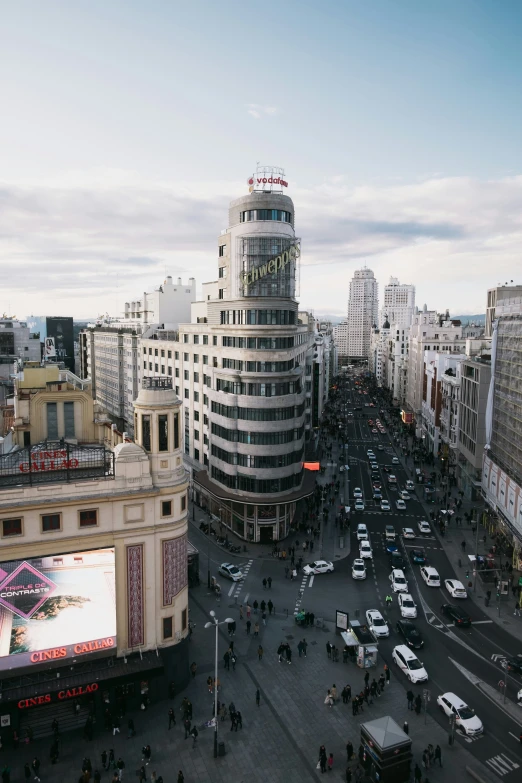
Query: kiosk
point(360, 638)
point(386, 751)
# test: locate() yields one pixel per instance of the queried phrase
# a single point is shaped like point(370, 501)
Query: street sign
point(426, 694)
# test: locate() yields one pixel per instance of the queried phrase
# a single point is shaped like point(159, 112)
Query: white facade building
point(399, 303)
point(395, 371)
point(340, 336)
point(363, 310)
point(436, 366)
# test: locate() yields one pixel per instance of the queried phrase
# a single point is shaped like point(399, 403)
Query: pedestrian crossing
point(501, 764)
point(239, 585)
point(301, 592)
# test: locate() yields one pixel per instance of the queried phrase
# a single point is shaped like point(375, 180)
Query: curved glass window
point(258, 389)
point(258, 414)
point(265, 214)
point(262, 462)
point(258, 438)
point(259, 486)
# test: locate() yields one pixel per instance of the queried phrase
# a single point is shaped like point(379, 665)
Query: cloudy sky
point(126, 127)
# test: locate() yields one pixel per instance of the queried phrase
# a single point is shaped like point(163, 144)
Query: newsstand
point(385, 751)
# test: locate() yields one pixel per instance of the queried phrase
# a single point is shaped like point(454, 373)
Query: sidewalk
point(280, 739)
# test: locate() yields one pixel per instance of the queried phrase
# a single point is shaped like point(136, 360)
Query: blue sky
point(127, 127)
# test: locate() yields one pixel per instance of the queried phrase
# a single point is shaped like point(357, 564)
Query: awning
point(307, 488)
point(371, 648)
point(349, 639)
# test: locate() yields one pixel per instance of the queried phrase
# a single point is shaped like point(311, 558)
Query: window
point(144, 365)
point(185, 375)
point(163, 369)
point(214, 339)
point(176, 430)
point(89, 517)
point(196, 377)
point(205, 419)
point(145, 432)
point(155, 368)
point(169, 354)
point(184, 503)
point(186, 357)
point(196, 396)
point(162, 354)
point(150, 365)
point(196, 454)
point(205, 339)
point(68, 419)
point(163, 432)
point(195, 358)
point(196, 415)
point(222, 251)
point(185, 338)
point(205, 399)
point(155, 351)
point(177, 372)
point(221, 293)
point(184, 620)
point(167, 628)
point(11, 527)
point(166, 508)
point(52, 421)
point(170, 370)
point(222, 272)
point(196, 434)
point(196, 339)
point(145, 351)
point(51, 522)
point(186, 394)
point(205, 359)
point(176, 355)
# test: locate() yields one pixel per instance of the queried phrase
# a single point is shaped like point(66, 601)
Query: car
point(369, 453)
point(424, 528)
point(389, 533)
point(513, 665)
point(358, 569)
point(341, 468)
point(391, 546)
point(377, 496)
point(380, 447)
point(357, 492)
point(395, 460)
point(370, 421)
point(408, 532)
point(376, 485)
point(409, 664)
point(455, 588)
point(376, 623)
point(383, 432)
point(365, 550)
point(397, 560)
point(359, 505)
point(362, 532)
point(392, 479)
point(230, 572)
point(398, 581)
point(460, 618)
point(410, 485)
point(404, 495)
point(374, 430)
point(465, 718)
point(318, 567)
point(418, 556)
point(430, 576)
point(386, 468)
point(410, 634)
point(385, 505)
point(400, 505)
point(407, 605)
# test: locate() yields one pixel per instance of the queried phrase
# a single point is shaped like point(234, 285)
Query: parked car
point(230, 572)
point(455, 588)
point(318, 567)
point(407, 605)
point(460, 617)
point(424, 528)
point(409, 664)
point(362, 532)
point(513, 665)
point(465, 718)
point(376, 623)
point(430, 576)
point(418, 556)
point(410, 634)
point(398, 581)
point(358, 569)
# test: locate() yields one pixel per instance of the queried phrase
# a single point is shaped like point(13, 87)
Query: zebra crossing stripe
point(501, 764)
point(240, 584)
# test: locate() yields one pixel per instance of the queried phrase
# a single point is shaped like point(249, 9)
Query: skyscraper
point(363, 310)
point(399, 303)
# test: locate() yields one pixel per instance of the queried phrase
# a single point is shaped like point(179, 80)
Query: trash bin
point(221, 748)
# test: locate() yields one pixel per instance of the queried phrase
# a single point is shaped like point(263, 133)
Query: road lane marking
point(311, 580)
point(501, 764)
point(234, 586)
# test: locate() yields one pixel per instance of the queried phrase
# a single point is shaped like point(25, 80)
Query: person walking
point(260, 653)
point(226, 658)
point(288, 654)
point(322, 759)
point(367, 678)
point(264, 584)
point(263, 617)
point(248, 624)
point(517, 608)
point(241, 612)
point(27, 770)
point(387, 673)
point(142, 775)
point(194, 733)
point(349, 751)
point(418, 704)
point(181, 778)
point(104, 759)
point(305, 646)
point(438, 755)
point(120, 766)
point(280, 651)
point(193, 669)
point(270, 606)
point(258, 697)
point(172, 717)
point(256, 630)
point(330, 762)
point(382, 682)
point(187, 726)
point(269, 580)
point(36, 768)
point(256, 606)
point(329, 649)
point(147, 752)
point(417, 774)
point(410, 696)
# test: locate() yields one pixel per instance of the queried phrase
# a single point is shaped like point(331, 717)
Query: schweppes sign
point(273, 266)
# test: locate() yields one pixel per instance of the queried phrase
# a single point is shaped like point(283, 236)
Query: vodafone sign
point(267, 178)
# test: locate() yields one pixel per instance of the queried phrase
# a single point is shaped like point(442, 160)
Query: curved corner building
point(258, 394)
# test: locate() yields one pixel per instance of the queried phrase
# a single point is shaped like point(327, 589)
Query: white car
point(395, 461)
point(455, 588)
point(230, 571)
point(410, 485)
point(392, 479)
point(357, 492)
point(398, 581)
point(376, 623)
point(430, 576)
point(319, 567)
point(370, 453)
point(365, 550)
point(409, 663)
point(401, 505)
point(407, 605)
point(341, 469)
point(359, 505)
point(424, 528)
point(358, 569)
point(385, 505)
point(408, 532)
point(380, 447)
point(465, 718)
point(404, 495)
point(362, 532)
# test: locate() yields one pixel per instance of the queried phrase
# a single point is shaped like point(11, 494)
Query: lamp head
point(212, 613)
point(229, 620)
point(209, 625)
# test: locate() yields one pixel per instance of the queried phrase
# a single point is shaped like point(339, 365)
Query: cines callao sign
point(271, 267)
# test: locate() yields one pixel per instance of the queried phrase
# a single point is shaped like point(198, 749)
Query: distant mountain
point(476, 319)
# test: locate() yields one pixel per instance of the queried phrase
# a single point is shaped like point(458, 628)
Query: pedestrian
point(193, 668)
point(517, 608)
point(256, 629)
point(248, 611)
point(36, 767)
point(270, 607)
point(300, 648)
point(110, 763)
point(194, 733)
point(269, 580)
point(226, 658)
point(280, 651)
point(27, 770)
point(181, 778)
point(260, 653)
point(366, 678)
point(258, 697)
point(333, 691)
point(146, 754)
point(248, 624)
point(256, 606)
point(438, 755)
point(263, 617)
point(330, 762)
point(417, 774)
point(116, 726)
point(264, 584)
point(387, 673)
point(120, 766)
point(410, 696)
point(405, 727)
point(329, 649)
point(288, 654)
point(233, 660)
point(349, 751)
point(209, 686)
point(104, 759)
point(239, 719)
point(187, 725)
point(53, 752)
point(142, 776)
point(374, 688)
point(241, 612)
point(463, 546)
point(418, 704)
point(381, 683)
point(305, 646)
point(425, 759)
point(323, 760)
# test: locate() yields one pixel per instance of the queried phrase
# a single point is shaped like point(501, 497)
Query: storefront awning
point(307, 488)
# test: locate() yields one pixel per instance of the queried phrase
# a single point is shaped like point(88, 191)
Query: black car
point(458, 615)
point(410, 634)
point(513, 665)
point(397, 561)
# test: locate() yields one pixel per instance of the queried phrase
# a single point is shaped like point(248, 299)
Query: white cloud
point(87, 242)
point(257, 110)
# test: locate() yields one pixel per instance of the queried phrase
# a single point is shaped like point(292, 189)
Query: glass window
point(68, 419)
point(11, 527)
point(167, 628)
point(51, 522)
point(166, 508)
point(184, 616)
point(89, 517)
point(186, 394)
point(196, 339)
point(176, 430)
point(163, 432)
point(145, 432)
point(183, 502)
point(205, 339)
point(52, 421)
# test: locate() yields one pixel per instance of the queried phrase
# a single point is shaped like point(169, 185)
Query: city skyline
point(118, 172)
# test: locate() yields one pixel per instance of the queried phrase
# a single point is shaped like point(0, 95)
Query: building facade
point(340, 336)
point(399, 303)
point(56, 337)
point(363, 311)
point(474, 387)
point(101, 524)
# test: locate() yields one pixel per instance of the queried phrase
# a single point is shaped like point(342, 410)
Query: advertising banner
point(57, 607)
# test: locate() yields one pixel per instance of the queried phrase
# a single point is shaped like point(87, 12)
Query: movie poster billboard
point(57, 607)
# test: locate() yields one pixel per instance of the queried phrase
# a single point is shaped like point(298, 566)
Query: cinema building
point(93, 557)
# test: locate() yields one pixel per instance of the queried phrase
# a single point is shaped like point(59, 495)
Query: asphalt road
point(446, 648)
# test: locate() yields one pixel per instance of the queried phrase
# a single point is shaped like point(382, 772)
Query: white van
point(430, 576)
point(398, 581)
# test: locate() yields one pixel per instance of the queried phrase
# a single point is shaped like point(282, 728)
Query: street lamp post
point(215, 623)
